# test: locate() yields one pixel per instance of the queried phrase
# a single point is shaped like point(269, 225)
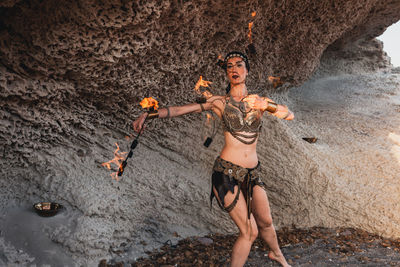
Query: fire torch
point(152, 106)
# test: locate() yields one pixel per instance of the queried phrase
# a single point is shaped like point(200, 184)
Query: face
point(236, 70)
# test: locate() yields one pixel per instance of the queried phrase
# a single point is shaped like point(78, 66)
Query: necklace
point(240, 104)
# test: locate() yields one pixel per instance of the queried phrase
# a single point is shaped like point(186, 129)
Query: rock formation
point(73, 72)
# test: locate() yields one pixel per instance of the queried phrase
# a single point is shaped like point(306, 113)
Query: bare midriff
point(239, 153)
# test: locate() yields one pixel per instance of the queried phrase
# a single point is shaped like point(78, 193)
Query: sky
point(391, 43)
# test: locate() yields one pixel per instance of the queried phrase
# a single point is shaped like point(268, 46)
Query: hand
point(138, 123)
point(256, 102)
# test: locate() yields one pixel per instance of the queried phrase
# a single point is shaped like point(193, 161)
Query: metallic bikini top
point(241, 121)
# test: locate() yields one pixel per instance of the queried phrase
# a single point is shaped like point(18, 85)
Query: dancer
point(236, 183)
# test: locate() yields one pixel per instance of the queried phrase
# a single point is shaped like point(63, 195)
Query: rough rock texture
point(356, 120)
point(72, 73)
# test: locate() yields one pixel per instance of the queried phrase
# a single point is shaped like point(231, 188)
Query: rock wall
point(72, 74)
point(356, 120)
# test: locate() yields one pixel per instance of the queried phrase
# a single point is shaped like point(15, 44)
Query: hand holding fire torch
point(256, 102)
point(152, 107)
point(263, 103)
point(138, 125)
point(205, 94)
point(266, 104)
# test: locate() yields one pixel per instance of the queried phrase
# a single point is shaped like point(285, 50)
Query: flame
point(253, 14)
point(120, 170)
point(276, 81)
point(208, 118)
point(118, 158)
point(203, 83)
point(249, 34)
point(149, 102)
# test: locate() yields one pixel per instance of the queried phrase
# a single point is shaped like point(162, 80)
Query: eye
point(239, 65)
point(229, 66)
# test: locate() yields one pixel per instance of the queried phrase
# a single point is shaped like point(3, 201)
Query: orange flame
point(249, 34)
point(203, 83)
point(276, 81)
point(208, 118)
point(118, 158)
point(253, 14)
point(149, 102)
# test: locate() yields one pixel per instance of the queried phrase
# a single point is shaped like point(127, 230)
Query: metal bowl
point(47, 209)
point(311, 140)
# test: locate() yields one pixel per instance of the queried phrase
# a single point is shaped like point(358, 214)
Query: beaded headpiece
point(236, 54)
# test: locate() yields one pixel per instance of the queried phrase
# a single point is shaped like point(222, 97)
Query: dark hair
point(237, 54)
point(231, 55)
point(228, 88)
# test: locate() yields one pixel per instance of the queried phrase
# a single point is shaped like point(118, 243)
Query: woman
point(235, 180)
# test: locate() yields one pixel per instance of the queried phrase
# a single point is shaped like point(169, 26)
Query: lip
point(235, 76)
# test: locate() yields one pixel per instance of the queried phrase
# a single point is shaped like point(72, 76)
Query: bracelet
point(202, 107)
point(168, 113)
point(152, 115)
point(272, 107)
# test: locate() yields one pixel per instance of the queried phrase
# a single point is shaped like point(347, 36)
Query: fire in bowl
point(47, 209)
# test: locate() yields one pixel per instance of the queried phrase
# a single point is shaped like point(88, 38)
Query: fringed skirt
point(227, 175)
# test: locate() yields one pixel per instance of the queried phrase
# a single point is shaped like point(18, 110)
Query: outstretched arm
point(170, 112)
point(266, 104)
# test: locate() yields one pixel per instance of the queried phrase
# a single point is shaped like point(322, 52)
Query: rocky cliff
point(73, 72)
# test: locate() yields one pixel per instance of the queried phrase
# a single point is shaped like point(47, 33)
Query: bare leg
point(262, 214)
point(247, 229)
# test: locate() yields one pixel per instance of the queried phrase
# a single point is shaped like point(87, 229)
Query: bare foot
point(279, 258)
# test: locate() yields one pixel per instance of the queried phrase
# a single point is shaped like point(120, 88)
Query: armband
point(272, 107)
